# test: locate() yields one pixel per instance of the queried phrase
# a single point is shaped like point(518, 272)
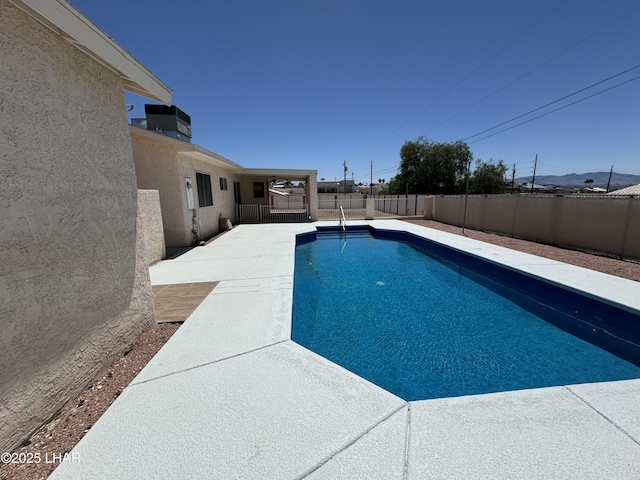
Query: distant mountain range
point(576, 180)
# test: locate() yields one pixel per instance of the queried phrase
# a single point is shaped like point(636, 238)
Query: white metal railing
point(399, 205)
point(384, 206)
point(342, 220)
point(250, 213)
point(348, 201)
point(352, 208)
point(269, 214)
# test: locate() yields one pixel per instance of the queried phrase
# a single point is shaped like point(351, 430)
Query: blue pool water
point(423, 326)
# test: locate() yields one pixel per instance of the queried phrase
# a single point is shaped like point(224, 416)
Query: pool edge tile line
point(194, 367)
point(602, 414)
point(350, 443)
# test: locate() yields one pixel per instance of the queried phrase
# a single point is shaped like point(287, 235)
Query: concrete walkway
point(231, 396)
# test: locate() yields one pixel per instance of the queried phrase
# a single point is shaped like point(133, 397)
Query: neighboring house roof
point(63, 19)
point(536, 186)
point(632, 190)
point(336, 183)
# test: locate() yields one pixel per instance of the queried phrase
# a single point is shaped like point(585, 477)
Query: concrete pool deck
point(231, 396)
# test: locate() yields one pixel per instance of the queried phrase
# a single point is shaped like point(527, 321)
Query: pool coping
point(230, 395)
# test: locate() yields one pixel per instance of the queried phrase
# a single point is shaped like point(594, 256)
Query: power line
point(389, 169)
point(465, 78)
point(616, 20)
point(587, 37)
point(555, 110)
point(555, 101)
point(482, 65)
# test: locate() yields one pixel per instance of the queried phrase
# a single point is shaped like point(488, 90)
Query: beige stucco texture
point(163, 164)
point(151, 220)
point(74, 287)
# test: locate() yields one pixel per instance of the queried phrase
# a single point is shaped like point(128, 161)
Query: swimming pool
point(423, 320)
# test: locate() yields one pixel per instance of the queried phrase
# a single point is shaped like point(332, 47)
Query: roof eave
point(66, 21)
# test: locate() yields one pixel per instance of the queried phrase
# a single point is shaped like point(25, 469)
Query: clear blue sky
point(310, 84)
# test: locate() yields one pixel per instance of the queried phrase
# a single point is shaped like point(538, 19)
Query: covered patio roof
point(280, 173)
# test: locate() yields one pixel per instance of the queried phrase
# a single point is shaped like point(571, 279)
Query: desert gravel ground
point(76, 418)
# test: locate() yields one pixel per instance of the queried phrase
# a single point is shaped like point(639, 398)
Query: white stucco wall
point(208, 218)
point(152, 230)
point(161, 166)
point(246, 189)
point(74, 288)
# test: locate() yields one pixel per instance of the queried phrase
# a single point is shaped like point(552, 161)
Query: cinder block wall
point(74, 286)
point(605, 224)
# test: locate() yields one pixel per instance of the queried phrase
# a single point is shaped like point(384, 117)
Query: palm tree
point(322, 179)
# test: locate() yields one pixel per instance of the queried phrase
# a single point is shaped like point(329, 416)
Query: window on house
point(203, 182)
point(223, 183)
point(258, 189)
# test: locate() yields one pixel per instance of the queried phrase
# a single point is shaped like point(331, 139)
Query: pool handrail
point(342, 221)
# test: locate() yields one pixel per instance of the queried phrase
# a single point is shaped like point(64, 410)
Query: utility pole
point(513, 177)
point(609, 181)
point(344, 186)
point(371, 179)
point(535, 164)
point(466, 196)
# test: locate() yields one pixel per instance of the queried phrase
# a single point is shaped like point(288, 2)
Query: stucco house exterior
point(178, 170)
point(198, 187)
point(74, 285)
point(254, 187)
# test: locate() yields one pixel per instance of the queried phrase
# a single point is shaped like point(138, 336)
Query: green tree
point(488, 178)
point(432, 168)
point(394, 187)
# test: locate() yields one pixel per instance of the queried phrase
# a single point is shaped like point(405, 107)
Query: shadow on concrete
point(175, 252)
